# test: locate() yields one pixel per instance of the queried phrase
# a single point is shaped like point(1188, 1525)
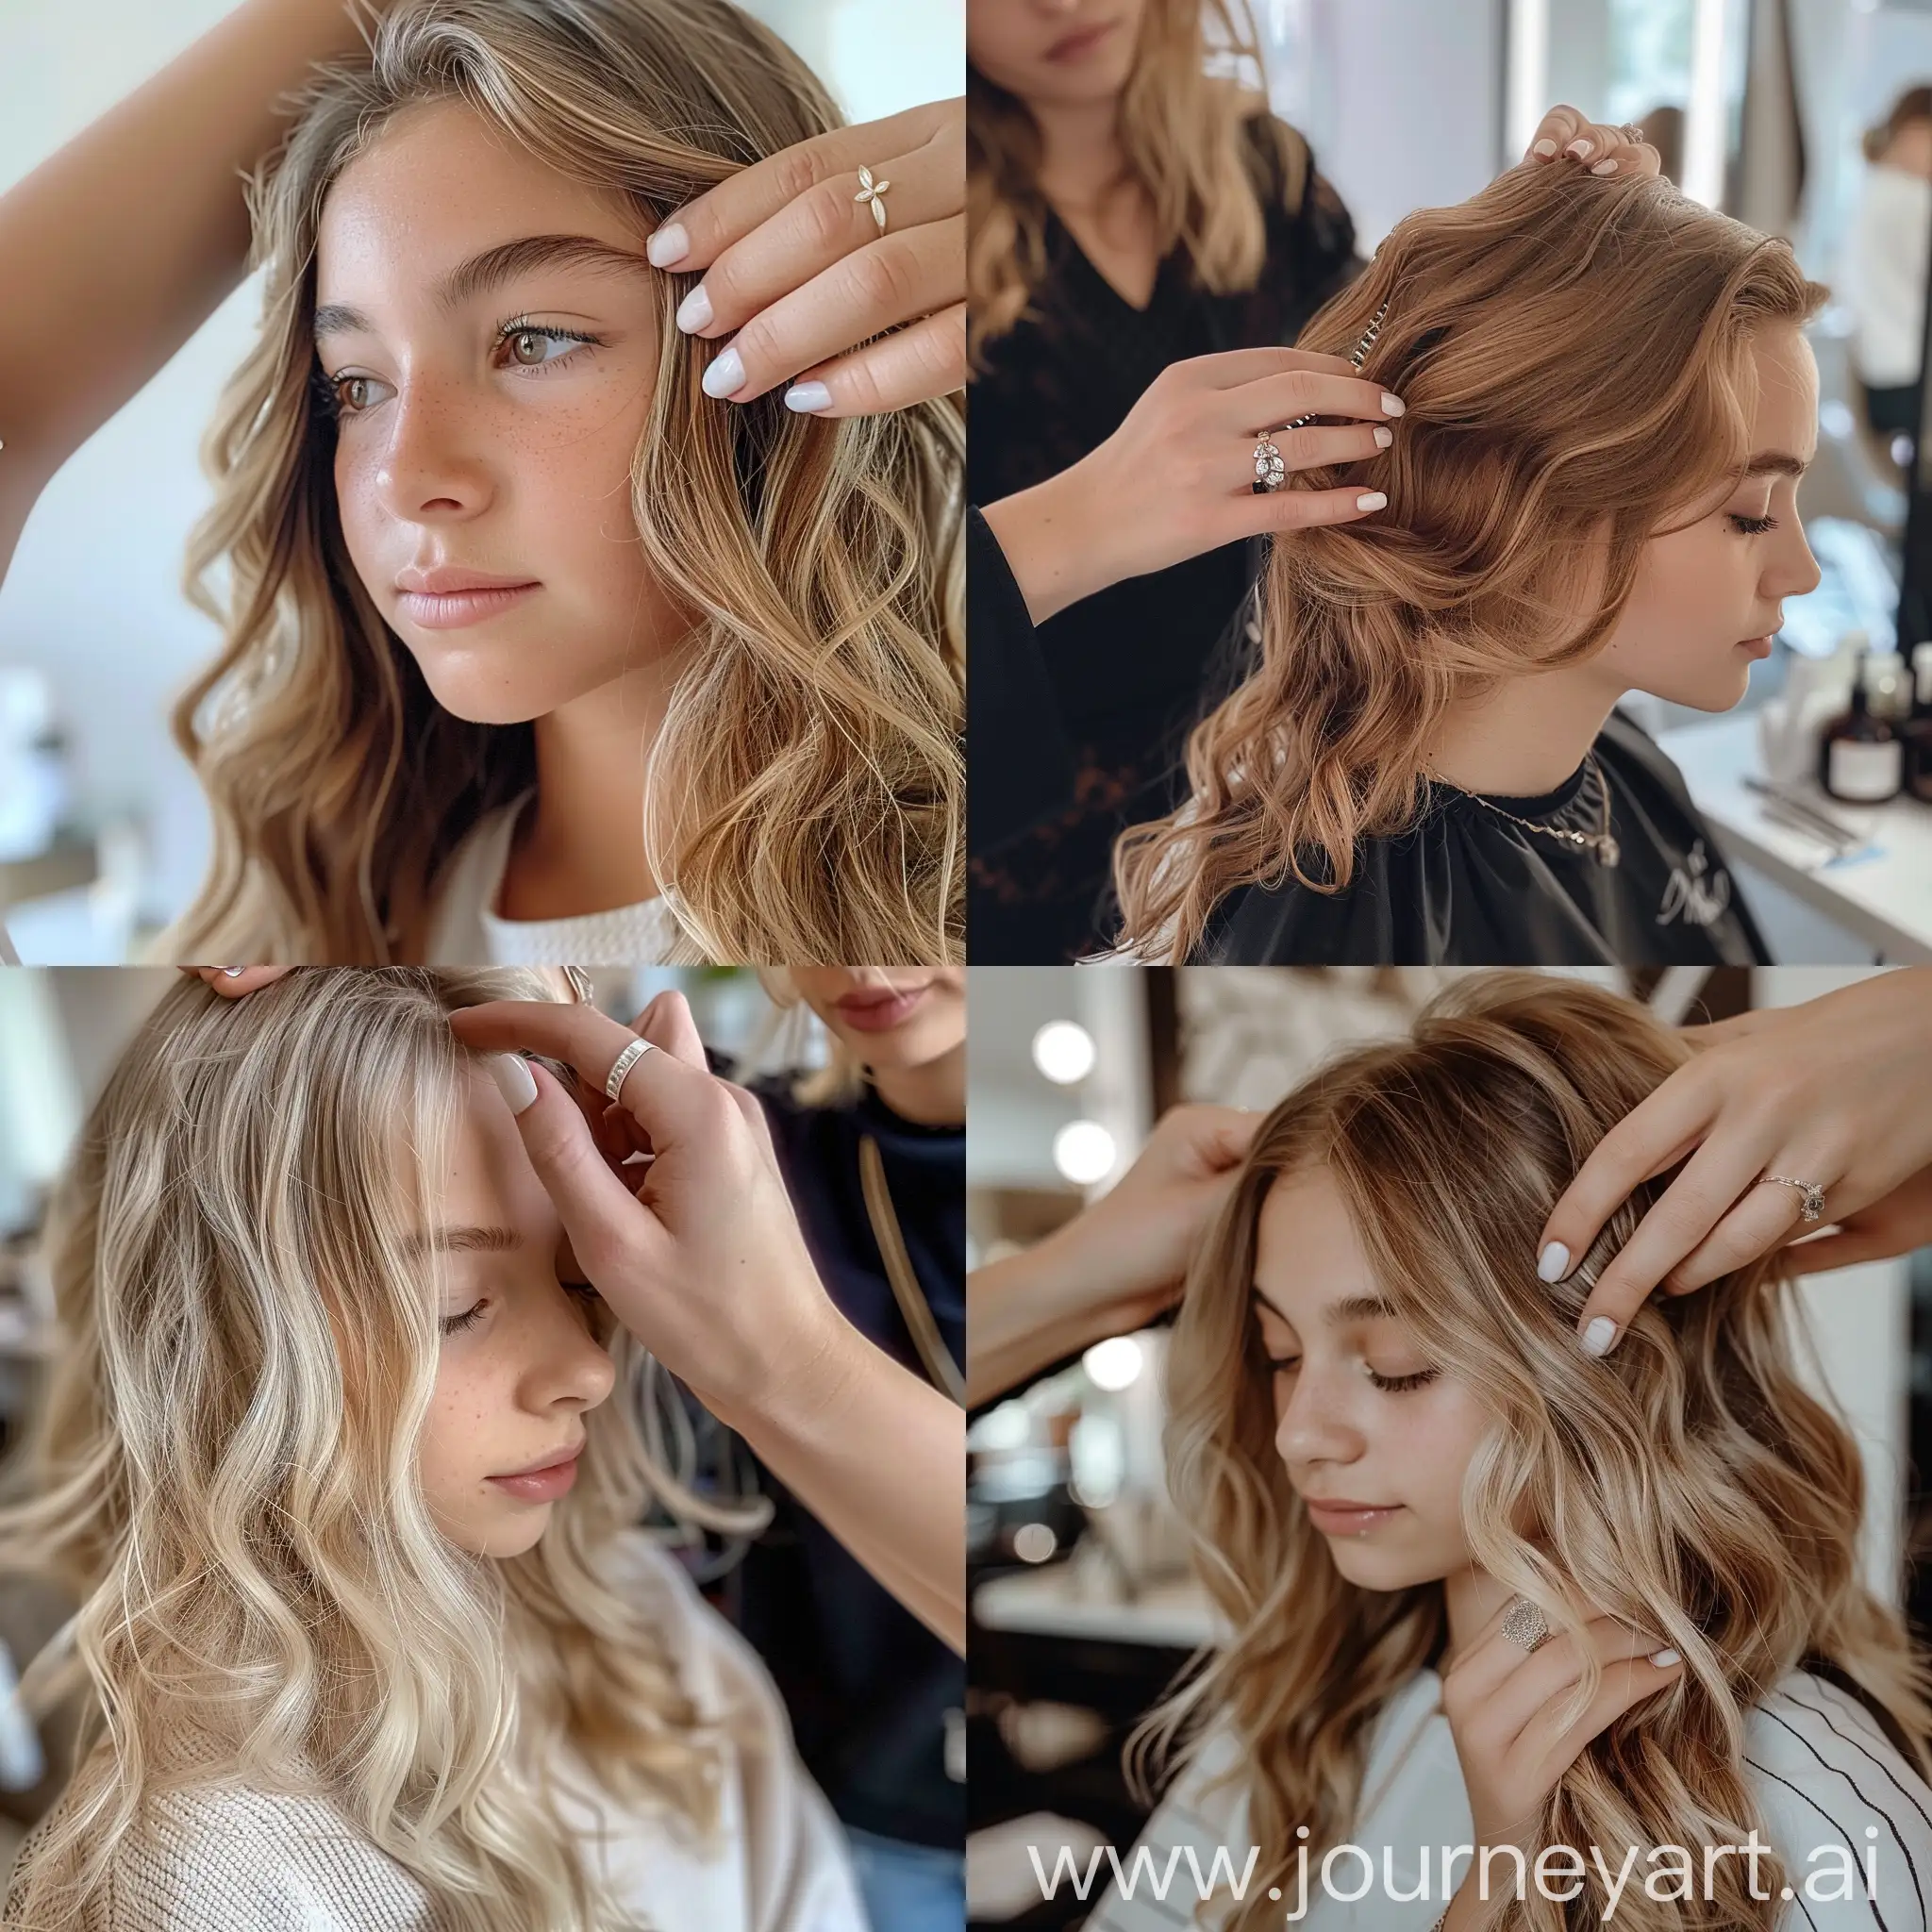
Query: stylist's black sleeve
point(1022, 765)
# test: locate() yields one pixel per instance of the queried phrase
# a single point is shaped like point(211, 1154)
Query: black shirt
point(868, 1686)
point(1121, 670)
point(1464, 886)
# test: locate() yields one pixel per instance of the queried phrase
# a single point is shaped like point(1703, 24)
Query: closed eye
point(1753, 526)
point(453, 1324)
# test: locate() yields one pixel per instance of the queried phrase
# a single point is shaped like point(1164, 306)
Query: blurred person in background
point(1885, 265)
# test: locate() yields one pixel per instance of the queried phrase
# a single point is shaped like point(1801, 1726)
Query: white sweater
point(1825, 1778)
point(231, 1860)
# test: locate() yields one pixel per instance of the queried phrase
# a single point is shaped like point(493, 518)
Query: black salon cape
point(1463, 887)
point(868, 1686)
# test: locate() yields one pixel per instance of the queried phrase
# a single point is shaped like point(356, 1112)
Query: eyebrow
point(490, 270)
point(464, 1240)
point(1350, 1308)
point(1775, 462)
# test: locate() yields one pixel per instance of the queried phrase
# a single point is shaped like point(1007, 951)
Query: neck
point(1081, 158)
point(1471, 1598)
point(581, 847)
point(932, 1095)
point(1524, 737)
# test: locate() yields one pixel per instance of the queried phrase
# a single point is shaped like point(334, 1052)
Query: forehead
point(1783, 397)
point(487, 1180)
point(439, 185)
point(1308, 1255)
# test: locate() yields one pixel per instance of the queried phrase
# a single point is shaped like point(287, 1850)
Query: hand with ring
point(1567, 134)
point(1822, 1106)
point(837, 266)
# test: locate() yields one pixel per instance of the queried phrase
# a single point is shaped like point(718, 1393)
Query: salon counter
point(1881, 893)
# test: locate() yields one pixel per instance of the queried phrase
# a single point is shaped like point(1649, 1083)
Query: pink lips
point(879, 1011)
point(1348, 1519)
point(1757, 647)
point(446, 599)
point(1077, 46)
point(543, 1485)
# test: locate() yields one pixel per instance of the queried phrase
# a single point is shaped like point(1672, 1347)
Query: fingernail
point(1384, 438)
point(725, 376)
point(694, 311)
point(1663, 1659)
point(1545, 148)
point(1598, 1336)
point(670, 245)
point(1553, 1263)
point(1393, 405)
point(233, 972)
point(1605, 168)
point(1373, 499)
point(514, 1080)
point(1581, 149)
point(807, 396)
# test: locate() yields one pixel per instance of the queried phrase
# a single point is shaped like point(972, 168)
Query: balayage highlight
point(1185, 133)
point(1687, 1484)
point(804, 797)
point(1574, 354)
point(225, 1474)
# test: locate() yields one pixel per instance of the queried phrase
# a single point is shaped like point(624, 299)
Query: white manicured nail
point(233, 972)
point(1605, 168)
point(513, 1079)
point(1663, 1659)
point(725, 376)
point(1553, 1263)
point(1599, 1335)
point(1581, 149)
point(694, 311)
point(1546, 147)
point(807, 396)
point(1393, 405)
point(1384, 438)
point(669, 245)
point(1372, 499)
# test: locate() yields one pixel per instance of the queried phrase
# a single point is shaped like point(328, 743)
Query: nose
point(565, 1367)
point(1793, 570)
point(1314, 1424)
point(427, 472)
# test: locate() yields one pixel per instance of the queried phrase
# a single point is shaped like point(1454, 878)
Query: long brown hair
point(1185, 134)
point(1574, 352)
point(806, 795)
point(1687, 1483)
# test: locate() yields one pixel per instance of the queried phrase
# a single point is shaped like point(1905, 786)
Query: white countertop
point(1063, 1601)
point(1882, 891)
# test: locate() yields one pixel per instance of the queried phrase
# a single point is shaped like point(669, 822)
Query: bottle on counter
point(1917, 734)
point(1861, 754)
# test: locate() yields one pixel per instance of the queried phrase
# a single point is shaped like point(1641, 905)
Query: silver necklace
point(1601, 843)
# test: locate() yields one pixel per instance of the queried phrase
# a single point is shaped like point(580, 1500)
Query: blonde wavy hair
point(225, 1474)
point(1574, 354)
point(804, 797)
point(1186, 133)
point(1687, 1483)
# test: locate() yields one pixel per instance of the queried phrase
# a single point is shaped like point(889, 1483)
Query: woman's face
point(1910, 149)
point(889, 1016)
point(490, 330)
point(520, 1365)
point(1375, 1437)
point(1054, 53)
point(1709, 596)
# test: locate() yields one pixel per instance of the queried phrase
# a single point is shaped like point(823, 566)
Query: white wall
point(94, 596)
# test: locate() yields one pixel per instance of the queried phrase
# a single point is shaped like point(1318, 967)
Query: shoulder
point(277, 1862)
point(1848, 1815)
point(465, 887)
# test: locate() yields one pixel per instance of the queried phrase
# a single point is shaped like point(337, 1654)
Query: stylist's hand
point(1504, 1709)
point(233, 981)
point(699, 1254)
point(1838, 1091)
point(1178, 477)
point(1568, 136)
point(799, 276)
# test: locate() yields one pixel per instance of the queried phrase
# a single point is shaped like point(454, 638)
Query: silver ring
point(873, 193)
point(1633, 134)
point(613, 1083)
point(1271, 469)
point(1811, 1193)
point(1524, 1625)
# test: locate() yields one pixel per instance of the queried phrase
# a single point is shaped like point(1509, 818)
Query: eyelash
point(455, 1324)
point(1393, 1385)
point(328, 387)
point(1753, 527)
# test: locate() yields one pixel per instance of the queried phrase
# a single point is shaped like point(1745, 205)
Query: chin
point(1722, 690)
point(472, 686)
point(1382, 1570)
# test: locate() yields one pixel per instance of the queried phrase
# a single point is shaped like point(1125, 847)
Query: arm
point(133, 233)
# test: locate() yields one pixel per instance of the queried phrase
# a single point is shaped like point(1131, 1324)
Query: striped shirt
point(1848, 1818)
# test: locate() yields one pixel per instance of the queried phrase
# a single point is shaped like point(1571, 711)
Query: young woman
point(329, 1458)
point(874, 1152)
point(557, 627)
point(1488, 1589)
point(1887, 263)
point(1608, 405)
point(1129, 211)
